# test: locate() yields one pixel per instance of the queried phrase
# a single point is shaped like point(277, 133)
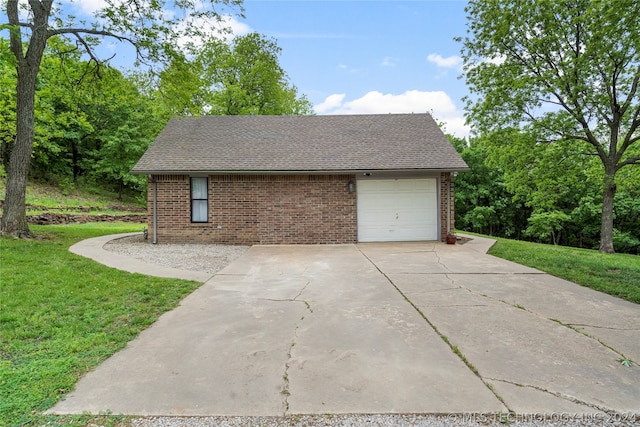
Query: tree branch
point(631, 161)
point(77, 31)
point(628, 140)
point(15, 38)
point(632, 93)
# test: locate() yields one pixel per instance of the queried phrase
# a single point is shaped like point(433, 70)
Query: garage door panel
point(397, 210)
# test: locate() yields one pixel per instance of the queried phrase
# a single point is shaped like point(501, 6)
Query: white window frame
point(201, 214)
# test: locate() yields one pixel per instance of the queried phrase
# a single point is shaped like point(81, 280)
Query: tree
point(240, 77)
point(483, 202)
point(125, 122)
point(564, 73)
point(150, 27)
point(247, 79)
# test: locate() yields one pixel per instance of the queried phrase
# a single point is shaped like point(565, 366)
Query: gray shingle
point(300, 143)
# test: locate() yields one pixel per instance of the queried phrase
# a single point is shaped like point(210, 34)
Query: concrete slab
point(215, 354)
point(525, 399)
point(429, 258)
point(361, 329)
point(538, 353)
point(361, 350)
point(284, 330)
point(611, 320)
point(477, 243)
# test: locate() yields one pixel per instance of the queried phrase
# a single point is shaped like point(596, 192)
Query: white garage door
point(397, 210)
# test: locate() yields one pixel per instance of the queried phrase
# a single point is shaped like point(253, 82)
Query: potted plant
point(451, 238)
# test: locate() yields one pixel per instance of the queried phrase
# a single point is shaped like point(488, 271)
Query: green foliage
point(557, 85)
point(92, 128)
point(181, 89)
point(55, 325)
point(155, 34)
point(547, 225)
point(626, 242)
point(507, 184)
point(483, 202)
point(7, 101)
point(238, 78)
point(88, 128)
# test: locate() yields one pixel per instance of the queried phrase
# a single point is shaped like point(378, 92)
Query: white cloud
point(237, 28)
point(448, 62)
point(211, 27)
point(214, 28)
point(89, 7)
point(438, 103)
point(497, 60)
point(389, 61)
point(331, 102)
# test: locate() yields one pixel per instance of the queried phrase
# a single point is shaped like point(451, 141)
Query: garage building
point(300, 179)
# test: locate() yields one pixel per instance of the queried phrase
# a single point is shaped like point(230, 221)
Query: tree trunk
point(14, 216)
point(606, 229)
point(14, 219)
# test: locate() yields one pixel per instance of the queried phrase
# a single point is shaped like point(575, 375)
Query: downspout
point(155, 212)
point(448, 204)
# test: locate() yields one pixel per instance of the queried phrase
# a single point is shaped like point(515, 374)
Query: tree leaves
point(238, 78)
point(566, 75)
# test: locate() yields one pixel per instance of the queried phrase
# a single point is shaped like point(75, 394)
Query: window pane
point(198, 188)
point(199, 211)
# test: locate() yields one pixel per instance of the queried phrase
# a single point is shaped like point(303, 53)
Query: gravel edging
point(395, 420)
point(192, 257)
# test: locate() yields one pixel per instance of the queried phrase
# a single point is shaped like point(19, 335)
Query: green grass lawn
point(62, 314)
point(614, 274)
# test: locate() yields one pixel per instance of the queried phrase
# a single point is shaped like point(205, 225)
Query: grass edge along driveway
point(61, 315)
point(614, 274)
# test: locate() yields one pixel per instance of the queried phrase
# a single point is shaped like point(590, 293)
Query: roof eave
point(294, 172)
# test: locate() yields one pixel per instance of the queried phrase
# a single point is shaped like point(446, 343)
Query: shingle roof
point(300, 144)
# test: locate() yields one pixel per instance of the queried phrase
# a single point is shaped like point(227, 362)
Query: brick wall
point(446, 178)
point(266, 209)
point(257, 209)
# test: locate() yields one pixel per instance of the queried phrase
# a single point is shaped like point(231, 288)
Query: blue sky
point(354, 57)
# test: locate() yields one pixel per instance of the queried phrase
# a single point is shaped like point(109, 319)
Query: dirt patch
point(460, 240)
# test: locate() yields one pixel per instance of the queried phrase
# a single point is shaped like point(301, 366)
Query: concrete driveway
point(376, 328)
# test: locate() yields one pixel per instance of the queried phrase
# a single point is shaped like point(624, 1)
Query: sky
point(356, 56)
point(361, 57)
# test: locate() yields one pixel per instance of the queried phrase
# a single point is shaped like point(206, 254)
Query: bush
point(624, 242)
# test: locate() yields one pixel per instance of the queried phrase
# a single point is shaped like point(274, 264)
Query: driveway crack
point(555, 394)
point(442, 264)
point(444, 338)
point(578, 325)
point(294, 299)
point(574, 328)
point(284, 390)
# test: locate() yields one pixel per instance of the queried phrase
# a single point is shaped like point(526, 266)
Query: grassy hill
point(69, 198)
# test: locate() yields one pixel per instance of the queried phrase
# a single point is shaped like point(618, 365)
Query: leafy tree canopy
point(155, 28)
point(237, 78)
point(564, 74)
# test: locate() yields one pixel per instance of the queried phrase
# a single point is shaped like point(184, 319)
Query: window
point(199, 202)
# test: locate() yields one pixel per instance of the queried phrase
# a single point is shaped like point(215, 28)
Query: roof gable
point(345, 143)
